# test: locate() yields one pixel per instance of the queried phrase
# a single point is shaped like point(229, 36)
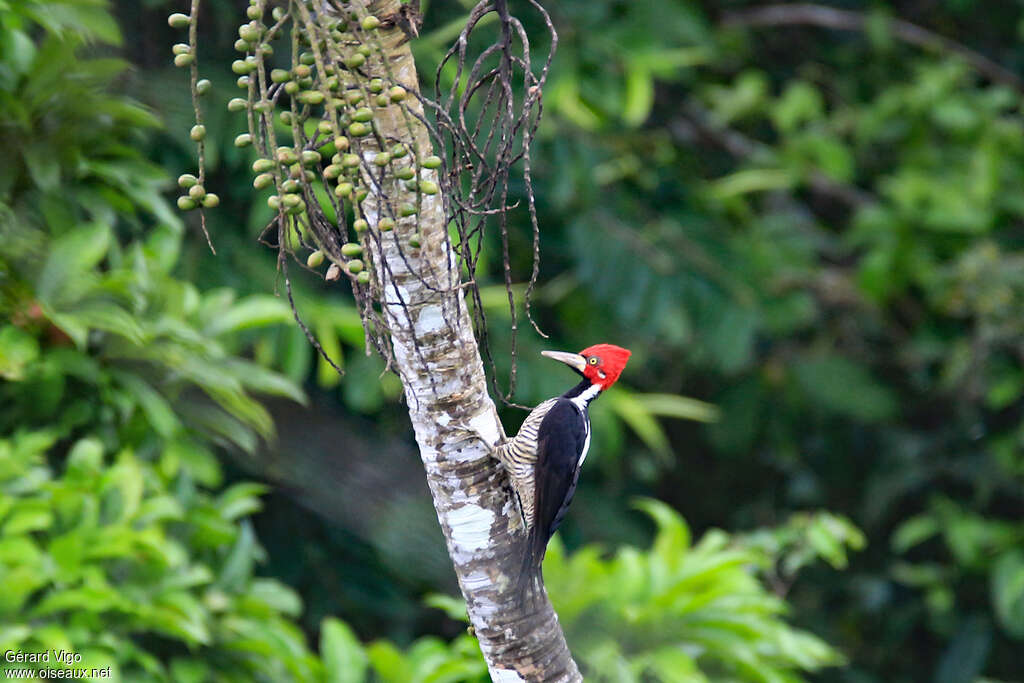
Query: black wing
point(560, 441)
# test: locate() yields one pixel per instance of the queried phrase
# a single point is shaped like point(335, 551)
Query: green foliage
point(979, 548)
point(77, 323)
point(428, 660)
point(824, 236)
point(68, 19)
point(685, 611)
point(814, 232)
point(80, 299)
point(109, 549)
point(118, 540)
point(113, 544)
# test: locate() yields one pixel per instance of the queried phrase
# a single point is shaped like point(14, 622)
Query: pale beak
point(573, 360)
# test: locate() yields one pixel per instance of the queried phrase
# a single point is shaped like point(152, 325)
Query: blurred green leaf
point(388, 663)
point(641, 421)
point(681, 407)
point(70, 258)
point(253, 311)
point(751, 181)
point(799, 104)
point(453, 607)
point(914, 531)
point(158, 410)
point(1007, 586)
point(844, 387)
point(344, 658)
point(639, 94)
point(18, 350)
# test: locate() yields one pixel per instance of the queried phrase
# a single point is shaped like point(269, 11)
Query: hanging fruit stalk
point(330, 98)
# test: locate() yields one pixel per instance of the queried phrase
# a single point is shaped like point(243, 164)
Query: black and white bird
point(545, 457)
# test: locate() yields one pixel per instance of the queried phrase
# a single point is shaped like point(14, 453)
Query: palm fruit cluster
point(313, 86)
point(193, 187)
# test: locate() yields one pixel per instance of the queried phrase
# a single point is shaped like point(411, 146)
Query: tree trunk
point(437, 357)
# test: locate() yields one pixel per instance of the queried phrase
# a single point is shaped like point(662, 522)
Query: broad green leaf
point(673, 539)
point(88, 599)
point(261, 380)
point(800, 103)
point(667, 62)
point(565, 95)
point(85, 458)
point(42, 166)
point(641, 420)
point(27, 517)
point(327, 337)
point(196, 458)
point(730, 337)
point(751, 181)
point(89, 19)
point(388, 663)
point(828, 155)
point(222, 428)
point(458, 671)
point(239, 563)
point(70, 257)
point(189, 670)
point(746, 96)
point(241, 500)
point(179, 614)
point(251, 312)
point(681, 407)
point(453, 607)
point(158, 411)
point(126, 479)
point(914, 531)
point(275, 595)
point(345, 661)
point(1007, 589)
point(97, 315)
point(12, 635)
point(20, 582)
point(297, 354)
point(673, 665)
point(159, 509)
point(639, 95)
point(826, 544)
point(16, 49)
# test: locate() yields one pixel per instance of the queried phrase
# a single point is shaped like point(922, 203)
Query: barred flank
point(519, 454)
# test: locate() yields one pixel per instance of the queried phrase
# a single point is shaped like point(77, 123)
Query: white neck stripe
point(588, 395)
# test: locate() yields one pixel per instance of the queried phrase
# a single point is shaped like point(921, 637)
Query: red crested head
point(601, 363)
point(605, 362)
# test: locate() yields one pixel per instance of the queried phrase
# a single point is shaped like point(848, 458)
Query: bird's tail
point(530, 583)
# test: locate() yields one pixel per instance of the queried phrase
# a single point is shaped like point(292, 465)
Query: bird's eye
point(593, 361)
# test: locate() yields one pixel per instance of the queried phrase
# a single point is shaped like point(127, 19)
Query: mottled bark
point(437, 358)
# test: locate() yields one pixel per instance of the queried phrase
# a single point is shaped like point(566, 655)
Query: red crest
point(605, 362)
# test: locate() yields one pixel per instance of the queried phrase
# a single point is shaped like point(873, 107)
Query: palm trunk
point(436, 355)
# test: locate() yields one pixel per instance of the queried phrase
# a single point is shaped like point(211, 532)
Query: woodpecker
point(544, 458)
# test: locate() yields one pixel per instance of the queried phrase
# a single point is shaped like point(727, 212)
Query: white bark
point(438, 360)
